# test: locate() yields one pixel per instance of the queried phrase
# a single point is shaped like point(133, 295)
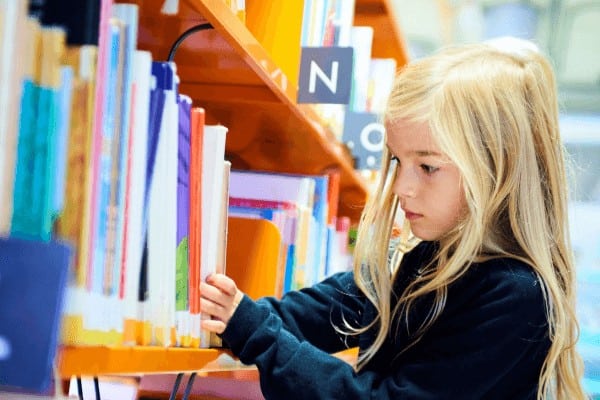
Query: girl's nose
point(405, 183)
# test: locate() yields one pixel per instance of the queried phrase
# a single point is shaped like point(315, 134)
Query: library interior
point(146, 145)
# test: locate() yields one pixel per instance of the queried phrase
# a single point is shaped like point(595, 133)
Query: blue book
point(128, 13)
point(23, 220)
point(32, 281)
point(157, 106)
point(319, 237)
point(105, 180)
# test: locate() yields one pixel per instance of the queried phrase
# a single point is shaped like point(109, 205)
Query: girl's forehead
point(410, 133)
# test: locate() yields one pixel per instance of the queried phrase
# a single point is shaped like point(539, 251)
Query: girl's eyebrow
point(424, 153)
point(420, 153)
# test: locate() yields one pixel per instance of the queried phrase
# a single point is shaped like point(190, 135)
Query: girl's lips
point(411, 215)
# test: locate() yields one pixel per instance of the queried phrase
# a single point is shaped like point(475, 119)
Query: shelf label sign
point(325, 75)
point(364, 135)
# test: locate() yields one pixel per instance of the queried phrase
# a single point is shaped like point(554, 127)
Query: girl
point(478, 302)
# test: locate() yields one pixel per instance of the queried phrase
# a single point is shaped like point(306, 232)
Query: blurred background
point(567, 31)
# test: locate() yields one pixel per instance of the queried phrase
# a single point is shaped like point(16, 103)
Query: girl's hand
point(219, 298)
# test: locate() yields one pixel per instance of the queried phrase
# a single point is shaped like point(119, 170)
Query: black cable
point(176, 386)
point(97, 388)
point(79, 388)
point(188, 387)
point(184, 35)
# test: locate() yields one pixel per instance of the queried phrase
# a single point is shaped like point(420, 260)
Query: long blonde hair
point(494, 113)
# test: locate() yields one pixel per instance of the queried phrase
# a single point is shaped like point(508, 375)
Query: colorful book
point(162, 213)
point(156, 111)
point(74, 221)
point(182, 316)
point(128, 14)
point(195, 222)
point(35, 183)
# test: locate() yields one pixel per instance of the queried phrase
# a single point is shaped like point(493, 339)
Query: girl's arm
point(491, 346)
point(309, 314)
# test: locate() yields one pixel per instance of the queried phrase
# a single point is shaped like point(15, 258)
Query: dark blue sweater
point(489, 343)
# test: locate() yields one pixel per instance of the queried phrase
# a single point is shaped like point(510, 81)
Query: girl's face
point(427, 183)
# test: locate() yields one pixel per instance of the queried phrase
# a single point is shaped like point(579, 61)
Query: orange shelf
point(227, 71)
point(388, 41)
point(107, 360)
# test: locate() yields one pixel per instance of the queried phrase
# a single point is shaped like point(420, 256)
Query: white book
point(381, 79)
point(362, 42)
point(213, 154)
point(215, 340)
point(162, 226)
point(134, 241)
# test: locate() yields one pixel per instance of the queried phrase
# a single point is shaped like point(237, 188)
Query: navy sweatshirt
point(489, 342)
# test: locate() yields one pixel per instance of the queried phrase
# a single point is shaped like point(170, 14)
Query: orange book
point(333, 196)
point(195, 235)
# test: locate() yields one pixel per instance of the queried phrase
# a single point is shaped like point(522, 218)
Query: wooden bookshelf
point(388, 41)
point(229, 73)
point(120, 360)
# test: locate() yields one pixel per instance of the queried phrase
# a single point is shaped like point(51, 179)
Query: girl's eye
point(428, 169)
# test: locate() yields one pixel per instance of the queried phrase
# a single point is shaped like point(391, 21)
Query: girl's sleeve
point(312, 313)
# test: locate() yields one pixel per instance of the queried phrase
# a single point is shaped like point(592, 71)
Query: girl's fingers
point(214, 310)
point(223, 282)
point(213, 294)
point(213, 325)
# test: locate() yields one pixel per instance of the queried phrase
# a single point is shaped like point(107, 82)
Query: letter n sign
point(325, 75)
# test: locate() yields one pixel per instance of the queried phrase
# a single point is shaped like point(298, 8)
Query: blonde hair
point(494, 113)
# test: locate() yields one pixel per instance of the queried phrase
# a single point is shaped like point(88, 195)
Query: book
point(195, 221)
point(133, 239)
point(63, 122)
point(30, 323)
point(182, 316)
point(156, 111)
point(80, 18)
point(215, 340)
point(362, 42)
point(12, 31)
point(103, 264)
point(73, 223)
point(162, 213)
point(128, 14)
point(35, 178)
point(213, 153)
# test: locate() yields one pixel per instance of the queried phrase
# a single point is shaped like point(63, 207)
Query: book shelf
point(387, 38)
point(228, 72)
point(233, 77)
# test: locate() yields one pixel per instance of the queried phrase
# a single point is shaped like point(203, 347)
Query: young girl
point(478, 303)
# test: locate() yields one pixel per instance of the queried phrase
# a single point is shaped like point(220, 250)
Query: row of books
point(124, 168)
point(121, 166)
